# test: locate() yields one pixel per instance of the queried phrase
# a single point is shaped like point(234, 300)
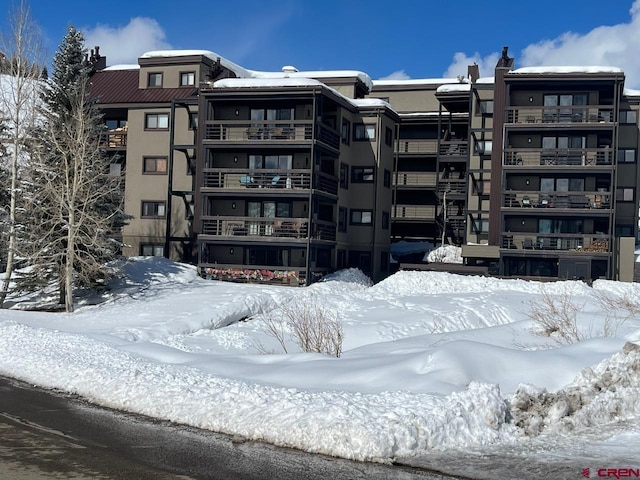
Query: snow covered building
point(286, 176)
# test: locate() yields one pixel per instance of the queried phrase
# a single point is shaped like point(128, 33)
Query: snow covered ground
point(431, 361)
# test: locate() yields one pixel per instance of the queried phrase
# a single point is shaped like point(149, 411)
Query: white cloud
point(616, 45)
point(397, 75)
point(461, 61)
point(125, 44)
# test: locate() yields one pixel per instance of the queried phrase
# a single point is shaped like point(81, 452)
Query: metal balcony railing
point(259, 131)
point(278, 227)
point(593, 114)
point(557, 200)
point(415, 179)
point(579, 243)
point(418, 146)
point(456, 148)
point(562, 157)
point(414, 212)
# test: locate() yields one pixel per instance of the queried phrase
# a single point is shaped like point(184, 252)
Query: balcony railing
point(116, 138)
point(414, 212)
point(259, 131)
point(418, 146)
point(224, 178)
point(593, 114)
point(557, 200)
point(574, 157)
point(277, 228)
point(415, 179)
point(455, 187)
point(457, 148)
point(579, 243)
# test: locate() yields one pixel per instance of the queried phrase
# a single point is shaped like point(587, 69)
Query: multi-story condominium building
point(286, 176)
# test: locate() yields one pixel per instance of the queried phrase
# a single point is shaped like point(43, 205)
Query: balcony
point(581, 114)
point(452, 187)
point(114, 139)
point(278, 228)
point(549, 242)
point(415, 179)
point(418, 146)
point(294, 179)
point(455, 148)
point(558, 200)
point(414, 212)
point(565, 157)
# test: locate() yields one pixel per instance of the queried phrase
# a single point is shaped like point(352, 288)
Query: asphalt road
point(49, 435)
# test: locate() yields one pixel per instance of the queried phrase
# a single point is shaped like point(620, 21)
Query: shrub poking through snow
point(312, 326)
point(555, 316)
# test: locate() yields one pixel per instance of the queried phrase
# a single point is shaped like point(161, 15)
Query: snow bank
point(374, 427)
point(608, 392)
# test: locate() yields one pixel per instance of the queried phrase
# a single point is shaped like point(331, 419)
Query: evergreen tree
point(76, 202)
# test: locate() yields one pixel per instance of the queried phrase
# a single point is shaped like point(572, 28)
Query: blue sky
point(403, 38)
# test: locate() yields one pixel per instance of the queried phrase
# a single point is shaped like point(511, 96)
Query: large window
point(362, 174)
point(154, 79)
point(154, 165)
point(363, 132)
point(628, 116)
point(156, 121)
point(485, 107)
point(361, 217)
point(625, 195)
point(187, 79)
point(153, 209)
point(151, 250)
point(273, 162)
point(268, 256)
point(566, 110)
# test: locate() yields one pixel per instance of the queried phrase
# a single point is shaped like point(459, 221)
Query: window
point(155, 79)
point(153, 210)
point(364, 132)
point(361, 217)
point(385, 220)
point(625, 194)
point(567, 111)
point(155, 166)
point(628, 116)
point(151, 250)
point(387, 178)
point(626, 156)
point(345, 132)
point(388, 136)
point(115, 169)
point(187, 79)
point(362, 174)
point(344, 175)
point(271, 162)
point(193, 121)
point(483, 147)
point(156, 121)
point(485, 107)
point(342, 219)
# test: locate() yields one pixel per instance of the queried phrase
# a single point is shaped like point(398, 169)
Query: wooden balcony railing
point(593, 114)
point(557, 200)
point(573, 157)
point(580, 243)
point(415, 179)
point(116, 138)
point(414, 212)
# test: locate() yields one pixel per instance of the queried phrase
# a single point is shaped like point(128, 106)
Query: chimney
point(473, 72)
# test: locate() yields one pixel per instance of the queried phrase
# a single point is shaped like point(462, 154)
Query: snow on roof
point(363, 77)
point(566, 69)
point(370, 102)
point(414, 81)
point(265, 82)
point(237, 69)
point(122, 67)
point(434, 114)
point(455, 87)
point(486, 80)
point(630, 92)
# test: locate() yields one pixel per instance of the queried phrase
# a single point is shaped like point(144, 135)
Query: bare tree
point(19, 74)
point(77, 200)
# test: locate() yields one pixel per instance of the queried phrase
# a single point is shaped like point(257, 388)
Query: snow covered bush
point(555, 316)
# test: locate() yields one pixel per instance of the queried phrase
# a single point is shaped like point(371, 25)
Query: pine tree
point(76, 202)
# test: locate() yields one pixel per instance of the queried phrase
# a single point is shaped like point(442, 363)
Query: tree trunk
point(68, 271)
point(12, 226)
